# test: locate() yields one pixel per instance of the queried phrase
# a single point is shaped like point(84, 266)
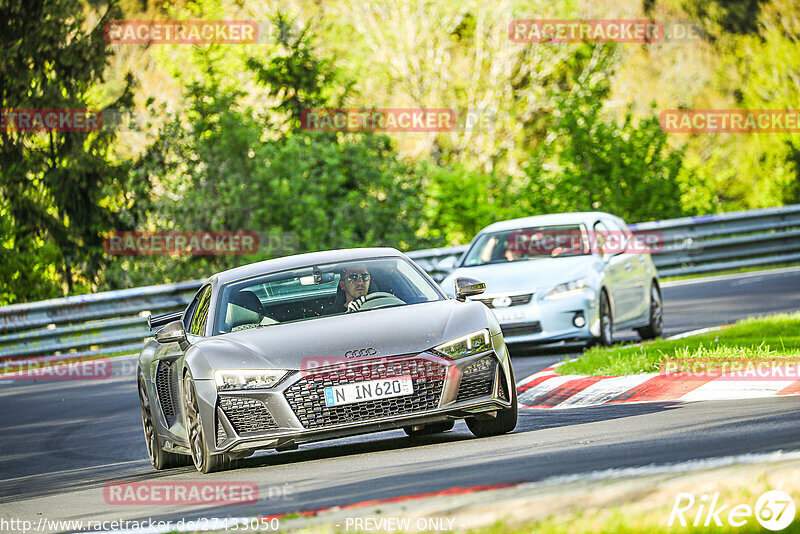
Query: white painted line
point(695, 332)
point(723, 277)
point(682, 467)
point(605, 390)
point(76, 470)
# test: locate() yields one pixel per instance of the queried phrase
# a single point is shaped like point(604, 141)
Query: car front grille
point(478, 379)
point(167, 392)
point(522, 329)
point(247, 415)
point(516, 300)
point(307, 396)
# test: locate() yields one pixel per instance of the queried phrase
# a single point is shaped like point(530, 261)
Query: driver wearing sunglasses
point(355, 284)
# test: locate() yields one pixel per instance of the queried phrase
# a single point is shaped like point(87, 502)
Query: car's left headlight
point(568, 289)
point(473, 343)
point(233, 379)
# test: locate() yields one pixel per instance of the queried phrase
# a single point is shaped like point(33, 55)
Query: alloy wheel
point(193, 425)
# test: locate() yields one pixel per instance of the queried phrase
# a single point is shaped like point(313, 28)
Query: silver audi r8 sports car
point(318, 346)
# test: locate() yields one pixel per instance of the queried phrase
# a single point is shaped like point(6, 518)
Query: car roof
point(586, 217)
point(302, 260)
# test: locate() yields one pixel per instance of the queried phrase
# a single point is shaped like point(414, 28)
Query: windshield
point(320, 291)
point(529, 243)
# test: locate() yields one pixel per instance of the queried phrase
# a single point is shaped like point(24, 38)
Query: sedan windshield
point(320, 291)
point(528, 244)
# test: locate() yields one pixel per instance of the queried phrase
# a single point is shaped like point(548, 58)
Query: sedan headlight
point(468, 345)
point(233, 379)
point(568, 289)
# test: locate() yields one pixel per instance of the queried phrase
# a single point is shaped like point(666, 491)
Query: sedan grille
point(247, 415)
point(167, 391)
point(307, 396)
point(478, 379)
point(516, 300)
point(522, 329)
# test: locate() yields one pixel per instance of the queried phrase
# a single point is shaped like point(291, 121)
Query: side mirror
point(466, 287)
point(172, 333)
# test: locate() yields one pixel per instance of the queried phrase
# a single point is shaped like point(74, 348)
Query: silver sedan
point(565, 277)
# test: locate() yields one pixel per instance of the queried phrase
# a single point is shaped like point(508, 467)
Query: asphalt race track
point(62, 442)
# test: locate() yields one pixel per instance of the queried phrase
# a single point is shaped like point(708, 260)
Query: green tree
point(59, 191)
point(227, 167)
point(594, 162)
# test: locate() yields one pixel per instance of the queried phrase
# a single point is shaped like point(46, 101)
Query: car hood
point(392, 331)
point(525, 275)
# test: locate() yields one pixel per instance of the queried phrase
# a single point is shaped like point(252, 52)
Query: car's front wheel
point(655, 326)
point(606, 321)
point(159, 458)
point(505, 421)
point(204, 461)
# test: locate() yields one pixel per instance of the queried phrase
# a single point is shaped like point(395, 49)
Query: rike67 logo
point(774, 510)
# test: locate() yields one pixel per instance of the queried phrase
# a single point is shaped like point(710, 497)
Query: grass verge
point(751, 343)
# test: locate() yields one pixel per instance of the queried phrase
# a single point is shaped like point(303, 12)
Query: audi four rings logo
point(360, 353)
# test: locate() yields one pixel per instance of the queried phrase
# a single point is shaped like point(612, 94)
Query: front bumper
point(550, 320)
point(295, 411)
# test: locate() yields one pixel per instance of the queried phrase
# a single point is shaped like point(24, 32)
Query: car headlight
point(468, 345)
point(568, 289)
point(233, 379)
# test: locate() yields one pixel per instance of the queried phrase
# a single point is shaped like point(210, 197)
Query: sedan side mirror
point(172, 333)
point(466, 287)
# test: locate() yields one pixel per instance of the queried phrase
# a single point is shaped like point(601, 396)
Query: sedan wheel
point(159, 458)
point(606, 322)
point(204, 461)
point(656, 325)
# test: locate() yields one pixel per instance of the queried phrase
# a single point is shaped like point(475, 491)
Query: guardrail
point(116, 321)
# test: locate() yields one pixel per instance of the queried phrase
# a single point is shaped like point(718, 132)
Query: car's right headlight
point(568, 289)
point(468, 345)
point(238, 379)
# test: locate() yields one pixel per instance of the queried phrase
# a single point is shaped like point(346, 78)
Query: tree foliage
point(59, 191)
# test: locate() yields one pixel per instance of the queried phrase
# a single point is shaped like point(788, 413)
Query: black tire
point(656, 326)
point(606, 336)
point(159, 458)
point(203, 460)
point(504, 422)
point(427, 430)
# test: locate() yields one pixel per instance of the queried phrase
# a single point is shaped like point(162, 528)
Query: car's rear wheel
point(427, 430)
point(505, 421)
point(606, 321)
point(203, 460)
point(159, 458)
point(655, 328)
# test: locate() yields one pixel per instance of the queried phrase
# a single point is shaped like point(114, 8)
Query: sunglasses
point(353, 278)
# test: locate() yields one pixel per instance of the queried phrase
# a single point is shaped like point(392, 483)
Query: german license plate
point(369, 390)
point(505, 317)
